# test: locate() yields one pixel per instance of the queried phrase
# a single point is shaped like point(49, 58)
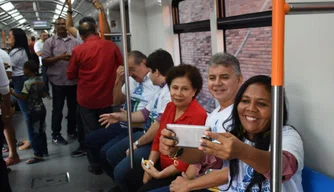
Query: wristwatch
point(136, 143)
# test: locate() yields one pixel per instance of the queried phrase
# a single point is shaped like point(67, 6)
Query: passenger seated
point(142, 91)
point(246, 147)
point(185, 82)
point(159, 62)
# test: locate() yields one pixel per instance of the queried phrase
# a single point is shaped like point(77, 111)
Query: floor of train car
point(58, 162)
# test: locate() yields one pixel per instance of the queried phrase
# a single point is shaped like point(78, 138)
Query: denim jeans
point(60, 93)
point(37, 123)
point(119, 163)
point(18, 83)
point(99, 141)
point(45, 80)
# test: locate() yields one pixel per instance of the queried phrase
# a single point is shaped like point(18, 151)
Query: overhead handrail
point(280, 9)
point(101, 25)
point(3, 38)
point(43, 1)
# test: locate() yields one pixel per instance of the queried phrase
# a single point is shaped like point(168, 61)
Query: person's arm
point(106, 27)
point(118, 96)
point(69, 20)
point(48, 58)
point(22, 97)
point(136, 117)
point(212, 179)
point(73, 68)
point(149, 135)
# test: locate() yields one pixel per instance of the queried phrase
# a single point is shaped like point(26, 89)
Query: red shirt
point(195, 114)
point(94, 64)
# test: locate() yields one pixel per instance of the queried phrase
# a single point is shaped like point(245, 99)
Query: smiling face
point(254, 109)
point(182, 92)
point(223, 83)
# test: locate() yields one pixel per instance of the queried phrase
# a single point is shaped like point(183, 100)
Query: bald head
point(86, 29)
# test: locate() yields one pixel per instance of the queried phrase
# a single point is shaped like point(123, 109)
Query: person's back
point(97, 60)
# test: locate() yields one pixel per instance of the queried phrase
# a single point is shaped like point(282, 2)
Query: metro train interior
point(191, 31)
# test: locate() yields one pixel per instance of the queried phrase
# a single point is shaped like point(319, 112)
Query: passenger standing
point(5, 106)
point(19, 54)
point(33, 93)
point(38, 47)
point(56, 54)
point(94, 64)
point(9, 131)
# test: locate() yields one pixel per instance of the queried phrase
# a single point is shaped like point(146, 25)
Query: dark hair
point(138, 56)
point(21, 41)
point(87, 28)
point(189, 71)
point(87, 19)
point(261, 140)
point(32, 66)
point(32, 38)
point(160, 60)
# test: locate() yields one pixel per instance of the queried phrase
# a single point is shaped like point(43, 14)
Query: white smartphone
point(188, 135)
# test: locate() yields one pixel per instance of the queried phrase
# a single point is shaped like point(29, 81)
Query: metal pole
point(310, 7)
point(126, 69)
point(276, 138)
point(278, 24)
point(115, 34)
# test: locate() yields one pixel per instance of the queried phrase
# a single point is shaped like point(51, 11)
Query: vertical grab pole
point(126, 69)
point(101, 25)
point(278, 22)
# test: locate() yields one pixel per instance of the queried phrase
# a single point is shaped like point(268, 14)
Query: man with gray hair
point(224, 81)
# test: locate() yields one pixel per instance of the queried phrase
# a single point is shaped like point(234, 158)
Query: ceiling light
point(13, 12)
point(57, 11)
point(18, 17)
point(22, 21)
point(55, 17)
point(7, 6)
point(59, 7)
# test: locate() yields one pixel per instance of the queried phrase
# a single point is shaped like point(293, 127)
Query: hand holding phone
point(188, 135)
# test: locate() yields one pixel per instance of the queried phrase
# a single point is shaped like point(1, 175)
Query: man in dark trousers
point(94, 64)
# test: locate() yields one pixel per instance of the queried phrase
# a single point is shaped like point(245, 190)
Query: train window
point(194, 10)
point(252, 46)
point(196, 50)
point(240, 7)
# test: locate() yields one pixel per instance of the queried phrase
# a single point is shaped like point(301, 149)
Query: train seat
point(316, 182)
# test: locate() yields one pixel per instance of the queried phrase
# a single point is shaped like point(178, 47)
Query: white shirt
point(216, 119)
point(140, 93)
point(18, 58)
point(158, 104)
point(293, 144)
point(79, 37)
point(6, 59)
point(38, 47)
point(4, 82)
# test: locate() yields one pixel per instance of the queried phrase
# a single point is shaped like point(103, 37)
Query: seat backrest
point(316, 182)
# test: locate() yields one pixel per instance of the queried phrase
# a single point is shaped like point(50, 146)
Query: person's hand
point(180, 184)
point(6, 66)
point(109, 118)
point(167, 146)
point(229, 147)
point(120, 74)
point(134, 147)
point(152, 171)
point(146, 177)
point(12, 91)
point(65, 57)
point(97, 4)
